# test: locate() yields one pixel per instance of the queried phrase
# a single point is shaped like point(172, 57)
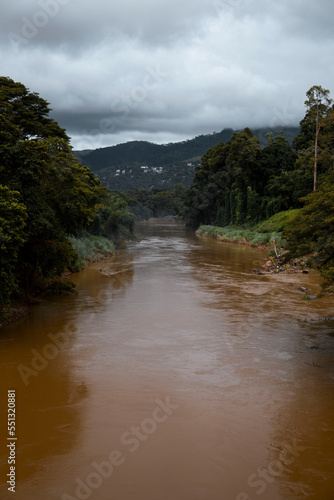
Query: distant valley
point(141, 164)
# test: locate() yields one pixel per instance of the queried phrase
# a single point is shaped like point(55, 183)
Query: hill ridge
point(144, 164)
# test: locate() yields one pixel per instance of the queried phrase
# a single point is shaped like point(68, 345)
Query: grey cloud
point(309, 19)
point(217, 63)
point(76, 23)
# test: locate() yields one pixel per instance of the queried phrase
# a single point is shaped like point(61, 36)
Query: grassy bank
point(240, 236)
point(267, 233)
point(92, 248)
point(277, 222)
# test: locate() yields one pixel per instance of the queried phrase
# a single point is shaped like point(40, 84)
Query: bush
point(239, 235)
point(277, 222)
point(90, 248)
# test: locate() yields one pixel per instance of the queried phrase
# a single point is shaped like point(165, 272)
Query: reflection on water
point(177, 374)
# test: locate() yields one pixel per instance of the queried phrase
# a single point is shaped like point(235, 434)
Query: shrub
point(238, 235)
point(277, 222)
point(89, 248)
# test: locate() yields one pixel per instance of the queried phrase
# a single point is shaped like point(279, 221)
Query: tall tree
point(58, 195)
point(27, 112)
point(318, 104)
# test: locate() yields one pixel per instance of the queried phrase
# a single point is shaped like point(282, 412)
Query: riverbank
point(18, 310)
point(241, 236)
point(272, 241)
point(92, 249)
point(89, 249)
point(266, 234)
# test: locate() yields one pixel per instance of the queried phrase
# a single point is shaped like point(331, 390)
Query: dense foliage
point(241, 183)
point(312, 231)
point(234, 234)
point(114, 220)
point(46, 195)
point(146, 203)
point(13, 216)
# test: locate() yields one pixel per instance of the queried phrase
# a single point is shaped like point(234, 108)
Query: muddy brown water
point(175, 374)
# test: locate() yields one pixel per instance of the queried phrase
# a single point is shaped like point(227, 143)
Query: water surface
point(175, 374)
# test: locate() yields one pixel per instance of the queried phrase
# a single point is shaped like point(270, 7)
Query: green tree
point(240, 183)
point(113, 220)
point(163, 203)
point(276, 157)
point(26, 112)
point(13, 215)
point(312, 231)
point(220, 189)
point(146, 203)
point(59, 194)
point(318, 104)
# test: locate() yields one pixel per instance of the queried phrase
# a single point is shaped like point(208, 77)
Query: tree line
point(46, 196)
point(155, 203)
point(240, 183)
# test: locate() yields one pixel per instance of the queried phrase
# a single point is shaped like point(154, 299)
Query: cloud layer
point(167, 70)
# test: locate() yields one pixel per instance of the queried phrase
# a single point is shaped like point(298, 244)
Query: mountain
point(141, 164)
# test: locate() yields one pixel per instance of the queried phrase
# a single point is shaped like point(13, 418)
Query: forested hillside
point(139, 164)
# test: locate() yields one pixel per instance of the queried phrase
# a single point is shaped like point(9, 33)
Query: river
point(176, 373)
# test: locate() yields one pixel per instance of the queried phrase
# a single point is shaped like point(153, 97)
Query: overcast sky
point(168, 70)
